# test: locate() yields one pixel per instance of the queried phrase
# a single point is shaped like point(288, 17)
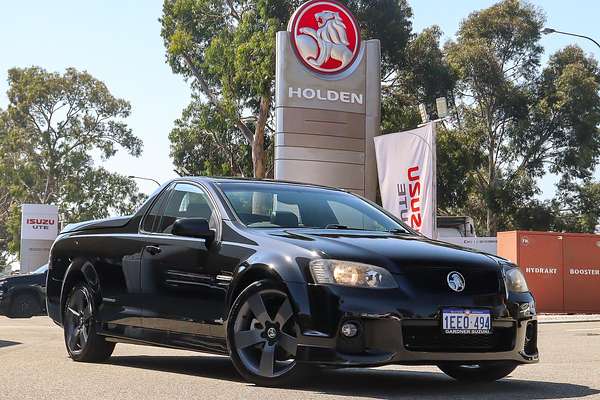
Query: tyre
point(262, 336)
point(487, 372)
point(24, 305)
point(79, 321)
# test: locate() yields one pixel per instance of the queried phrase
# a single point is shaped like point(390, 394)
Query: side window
point(187, 201)
point(153, 215)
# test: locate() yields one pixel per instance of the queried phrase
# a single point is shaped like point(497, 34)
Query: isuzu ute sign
point(325, 36)
point(39, 222)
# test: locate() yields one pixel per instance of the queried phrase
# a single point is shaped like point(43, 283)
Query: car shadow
point(6, 343)
point(372, 383)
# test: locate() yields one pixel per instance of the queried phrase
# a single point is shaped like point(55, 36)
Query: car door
point(123, 301)
point(182, 295)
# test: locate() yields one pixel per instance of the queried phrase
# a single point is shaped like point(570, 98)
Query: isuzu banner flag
point(407, 176)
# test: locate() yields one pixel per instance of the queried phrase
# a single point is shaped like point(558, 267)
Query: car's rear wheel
point(24, 305)
point(262, 336)
point(79, 321)
point(485, 372)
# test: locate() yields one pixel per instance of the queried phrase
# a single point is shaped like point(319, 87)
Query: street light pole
point(547, 31)
point(145, 179)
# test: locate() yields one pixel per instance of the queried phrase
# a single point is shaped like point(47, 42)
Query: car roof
point(218, 180)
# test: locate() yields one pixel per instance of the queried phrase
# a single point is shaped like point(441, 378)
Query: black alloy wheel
point(25, 305)
point(262, 336)
point(83, 344)
point(484, 372)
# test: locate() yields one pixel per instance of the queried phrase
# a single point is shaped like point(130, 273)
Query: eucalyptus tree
point(526, 120)
point(50, 132)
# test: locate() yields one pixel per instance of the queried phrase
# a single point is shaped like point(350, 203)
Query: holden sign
point(325, 36)
point(327, 100)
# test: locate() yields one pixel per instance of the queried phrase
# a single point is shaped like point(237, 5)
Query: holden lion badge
point(325, 36)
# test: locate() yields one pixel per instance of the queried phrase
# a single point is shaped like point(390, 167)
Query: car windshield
point(41, 269)
point(272, 205)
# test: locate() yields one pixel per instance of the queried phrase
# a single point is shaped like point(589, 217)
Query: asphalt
point(34, 365)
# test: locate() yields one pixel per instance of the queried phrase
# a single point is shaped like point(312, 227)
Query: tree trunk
point(258, 141)
point(491, 225)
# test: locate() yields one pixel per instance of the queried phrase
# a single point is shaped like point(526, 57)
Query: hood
point(397, 252)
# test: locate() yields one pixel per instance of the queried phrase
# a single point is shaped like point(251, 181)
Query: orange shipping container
point(562, 269)
point(582, 273)
point(540, 256)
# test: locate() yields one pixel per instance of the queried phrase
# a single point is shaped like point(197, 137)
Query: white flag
point(407, 176)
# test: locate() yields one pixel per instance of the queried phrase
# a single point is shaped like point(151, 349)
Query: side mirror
point(193, 227)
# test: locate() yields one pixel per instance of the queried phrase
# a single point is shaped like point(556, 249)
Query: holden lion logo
point(325, 36)
point(456, 281)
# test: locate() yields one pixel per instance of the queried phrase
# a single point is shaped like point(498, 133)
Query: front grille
point(434, 280)
point(432, 339)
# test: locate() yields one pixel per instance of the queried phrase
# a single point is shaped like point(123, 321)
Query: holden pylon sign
point(327, 100)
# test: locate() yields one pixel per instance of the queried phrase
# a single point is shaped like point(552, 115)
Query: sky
point(119, 43)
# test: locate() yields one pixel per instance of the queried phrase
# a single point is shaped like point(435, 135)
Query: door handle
point(153, 250)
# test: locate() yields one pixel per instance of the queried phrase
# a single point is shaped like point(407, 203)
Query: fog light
point(349, 329)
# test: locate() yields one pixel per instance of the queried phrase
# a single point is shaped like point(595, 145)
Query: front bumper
point(408, 331)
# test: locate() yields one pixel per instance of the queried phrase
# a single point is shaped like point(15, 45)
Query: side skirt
point(152, 337)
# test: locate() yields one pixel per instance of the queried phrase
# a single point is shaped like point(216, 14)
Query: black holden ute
point(283, 277)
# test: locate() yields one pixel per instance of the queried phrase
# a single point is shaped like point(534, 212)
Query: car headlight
point(515, 280)
point(349, 273)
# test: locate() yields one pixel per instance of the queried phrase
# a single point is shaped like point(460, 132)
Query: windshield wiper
point(335, 226)
point(398, 231)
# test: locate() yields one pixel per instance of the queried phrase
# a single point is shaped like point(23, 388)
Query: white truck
point(460, 230)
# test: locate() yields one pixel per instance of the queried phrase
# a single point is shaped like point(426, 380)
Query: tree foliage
point(512, 120)
point(53, 126)
point(202, 143)
point(227, 50)
point(526, 121)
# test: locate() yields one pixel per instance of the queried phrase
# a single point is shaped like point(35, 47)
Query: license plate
point(460, 321)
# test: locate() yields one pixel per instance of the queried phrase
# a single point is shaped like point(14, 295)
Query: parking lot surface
point(34, 365)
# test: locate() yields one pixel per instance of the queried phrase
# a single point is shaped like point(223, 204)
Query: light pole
point(145, 179)
point(547, 31)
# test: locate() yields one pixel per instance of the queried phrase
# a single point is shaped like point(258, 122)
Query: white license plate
point(460, 321)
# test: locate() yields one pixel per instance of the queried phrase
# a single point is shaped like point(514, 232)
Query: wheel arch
point(288, 276)
point(80, 270)
point(247, 274)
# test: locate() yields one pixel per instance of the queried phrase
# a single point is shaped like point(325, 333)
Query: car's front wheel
point(262, 336)
point(485, 372)
point(79, 321)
